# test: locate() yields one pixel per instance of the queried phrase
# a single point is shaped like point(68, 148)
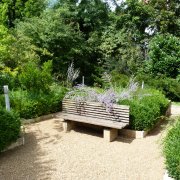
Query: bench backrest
point(118, 113)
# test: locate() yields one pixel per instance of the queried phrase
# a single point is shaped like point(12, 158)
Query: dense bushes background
point(171, 151)
point(10, 126)
point(169, 86)
point(31, 104)
point(128, 38)
point(146, 108)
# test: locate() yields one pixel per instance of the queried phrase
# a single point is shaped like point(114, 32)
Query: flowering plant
point(82, 93)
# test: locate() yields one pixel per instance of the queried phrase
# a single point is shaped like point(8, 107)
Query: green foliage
point(8, 77)
point(19, 9)
point(119, 52)
point(146, 108)
point(5, 40)
point(32, 78)
point(170, 87)
point(164, 54)
point(171, 151)
point(165, 16)
point(119, 80)
point(10, 126)
point(54, 38)
point(31, 104)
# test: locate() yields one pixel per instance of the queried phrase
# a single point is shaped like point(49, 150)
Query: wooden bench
point(97, 114)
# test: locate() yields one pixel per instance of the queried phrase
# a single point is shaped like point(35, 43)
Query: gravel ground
point(82, 154)
point(175, 110)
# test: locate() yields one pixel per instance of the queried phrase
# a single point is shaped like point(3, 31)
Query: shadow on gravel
point(88, 129)
point(161, 126)
point(26, 162)
point(124, 139)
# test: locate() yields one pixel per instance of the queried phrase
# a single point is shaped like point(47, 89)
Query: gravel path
point(82, 154)
point(175, 110)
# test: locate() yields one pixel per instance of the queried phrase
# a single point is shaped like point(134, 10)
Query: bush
point(33, 78)
point(170, 87)
point(164, 53)
point(119, 80)
point(8, 77)
point(145, 109)
point(31, 104)
point(171, 151)
point(10, 126)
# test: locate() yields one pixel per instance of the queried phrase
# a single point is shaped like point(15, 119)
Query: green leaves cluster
point(171, 150)
point(146, 109)
point(136, 37)
point(10, 126)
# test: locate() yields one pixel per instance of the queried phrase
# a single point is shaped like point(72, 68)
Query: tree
point(12, 10)
point(164, 55)
point(165, 16)
point(119, 52)
point(54, 38)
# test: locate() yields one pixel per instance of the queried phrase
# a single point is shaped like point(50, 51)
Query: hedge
point(30, 104)
point(146, 108)
point(172, 151)
point(10, 126)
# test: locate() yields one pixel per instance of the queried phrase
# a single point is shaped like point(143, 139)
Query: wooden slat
point(96, 111)
point(103, 112)
point(97, 114)
point(107, 118)
point(96, 104)
point(100, 122)
point(94, 108)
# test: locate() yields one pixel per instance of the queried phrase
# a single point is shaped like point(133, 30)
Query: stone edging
point(133, 134)
point(138, 134)
point(19, 142)
point(41, 118)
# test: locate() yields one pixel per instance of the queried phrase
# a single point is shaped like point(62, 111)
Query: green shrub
point(172, 151)
point(33, 78)
point(145, 109)
point(119, 80)
point(170, 87)
point(31, 104)
point(8, 77)
point(164, 53)
point(10, 126)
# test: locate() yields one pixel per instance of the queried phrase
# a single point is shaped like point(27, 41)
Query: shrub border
point(142, 134)
point(19, 142)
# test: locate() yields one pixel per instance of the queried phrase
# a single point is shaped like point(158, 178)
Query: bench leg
point(67, 126)
point(110, 134)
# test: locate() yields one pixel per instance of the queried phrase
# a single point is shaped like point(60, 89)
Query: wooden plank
point(97, 112)
point(94, 108)
point(97, 104)
point(100, 122)
point(98, 115)
point(107, 118)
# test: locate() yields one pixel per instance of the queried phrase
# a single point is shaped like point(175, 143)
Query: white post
point(142, 84)
point(6, 90)
point(83, 80)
